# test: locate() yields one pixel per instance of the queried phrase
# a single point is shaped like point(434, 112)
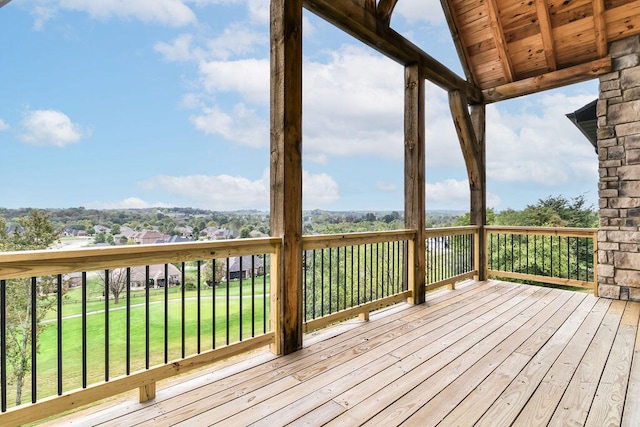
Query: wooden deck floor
point(487, 354)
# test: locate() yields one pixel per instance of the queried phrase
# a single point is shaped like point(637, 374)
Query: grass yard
point(46, 363)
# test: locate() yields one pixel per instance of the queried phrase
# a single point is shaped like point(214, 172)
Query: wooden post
point(478, 212)
point(286, 169)
point(471, 134)
point(414, 178)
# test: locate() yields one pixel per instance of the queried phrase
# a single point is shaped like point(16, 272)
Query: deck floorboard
point(492, 353)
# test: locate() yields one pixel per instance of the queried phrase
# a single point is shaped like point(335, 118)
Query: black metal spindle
point(345, 278)
point(59, 332)
point(3, 344)
point(199, 308)
point(183, 314)
point(253, 295)
point(322, 301)
point(359, 294)
point(213, 303)
point(34, 340)
point(166, 313)
point(264, 293)
point(227, 300)
point(147, 320)
point(240, 294)
point(84, 329)
point(330, 281)
point(128, 323)
point(352, 274)
point(313, 293)
point(106, 325)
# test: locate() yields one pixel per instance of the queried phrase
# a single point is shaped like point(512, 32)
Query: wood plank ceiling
point(513, 47)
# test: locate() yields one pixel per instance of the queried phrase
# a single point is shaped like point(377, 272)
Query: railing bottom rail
point(362, 309)
point(144, 380)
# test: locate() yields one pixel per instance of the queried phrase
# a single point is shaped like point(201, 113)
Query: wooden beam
point(498, 36)
point(466, 135)
point(365, 26)
point(554, 79)
point(600, 27)
point(415, 177)
point(385, 10)
point(544, 21)
point(457, 39)
point(286, 169)
point(478, 211)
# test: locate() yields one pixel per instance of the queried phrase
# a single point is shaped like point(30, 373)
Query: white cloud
point(179, 50)
point(247, 77)
point(413, 11)
point(3, 125)
point(50, 128)
point(242, 125)
point(237, 39)
point(454, 194)
point(538, 143)
point(386, 187)
point(225, 192)
point(129, 203)
point(173, 13)
point(353, 105)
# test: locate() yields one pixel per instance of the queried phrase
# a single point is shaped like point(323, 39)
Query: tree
point(26, 296)
point(117, 280)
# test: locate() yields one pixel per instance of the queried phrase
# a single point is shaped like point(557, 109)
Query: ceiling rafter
point(385, 10)
point(498, 34)
point(550, 80)
point(542, 10)
point(600, 27)
point(457, 40)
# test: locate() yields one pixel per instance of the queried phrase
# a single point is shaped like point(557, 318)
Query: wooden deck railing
point(560, 256)
point(452, 255)
point(344, 276)
point(349, 275)
point(94, 349)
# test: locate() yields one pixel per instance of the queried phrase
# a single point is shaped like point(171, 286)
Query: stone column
point(619, 158)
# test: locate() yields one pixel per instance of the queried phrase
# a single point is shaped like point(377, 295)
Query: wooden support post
point(286, 169)
point(471, 134)
point(414, 178)
point(147, 392)
point(478, 212)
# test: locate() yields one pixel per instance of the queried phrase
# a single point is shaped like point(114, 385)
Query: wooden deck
point(487, 354)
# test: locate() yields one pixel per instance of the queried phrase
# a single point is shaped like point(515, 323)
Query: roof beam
point(551, 80)
point(544, 22)
point(385, 10)
point(600, 27)
point(353, 18)
point(457, 40)
point(498, 36)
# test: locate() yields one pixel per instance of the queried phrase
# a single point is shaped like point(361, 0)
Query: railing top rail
point(451, 231)
point(325, 241)
point(47, 262)
point(546, 231)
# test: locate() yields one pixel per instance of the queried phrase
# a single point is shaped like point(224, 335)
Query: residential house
point(148, 237)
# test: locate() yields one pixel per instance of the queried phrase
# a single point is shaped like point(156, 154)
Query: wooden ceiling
point(512, 47)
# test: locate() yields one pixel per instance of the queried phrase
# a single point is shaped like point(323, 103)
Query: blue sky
point(140, 103)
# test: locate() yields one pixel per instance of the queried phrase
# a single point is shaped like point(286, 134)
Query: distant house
point(249, 267)
point(101, 229)
point(213, 233)
point(156, 276)
point(148, 237)
point(256, 234)
point(176, 239)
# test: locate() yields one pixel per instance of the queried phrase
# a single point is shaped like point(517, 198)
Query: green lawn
point(72, 332)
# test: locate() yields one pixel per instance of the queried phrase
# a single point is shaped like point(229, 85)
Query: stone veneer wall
point(619, 157)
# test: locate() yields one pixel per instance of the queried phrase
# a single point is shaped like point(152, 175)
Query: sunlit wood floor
point(488, 354)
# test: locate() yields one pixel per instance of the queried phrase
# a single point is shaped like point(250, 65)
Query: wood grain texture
point(491, 351)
